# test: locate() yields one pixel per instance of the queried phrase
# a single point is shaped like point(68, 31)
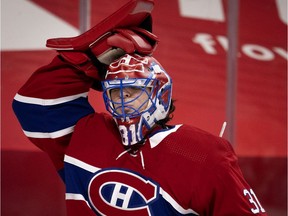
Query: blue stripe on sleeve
point(37, 118)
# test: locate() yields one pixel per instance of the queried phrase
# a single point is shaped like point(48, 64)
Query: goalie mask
point(137, 92)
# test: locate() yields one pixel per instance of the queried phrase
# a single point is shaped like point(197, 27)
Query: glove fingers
point(118, 40)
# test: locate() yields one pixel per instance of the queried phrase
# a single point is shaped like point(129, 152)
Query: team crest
point(121, 192)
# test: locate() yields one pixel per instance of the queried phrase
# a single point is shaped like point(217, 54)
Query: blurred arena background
point(193, 48)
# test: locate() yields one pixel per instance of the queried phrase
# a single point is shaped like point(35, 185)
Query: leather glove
point(94, 60)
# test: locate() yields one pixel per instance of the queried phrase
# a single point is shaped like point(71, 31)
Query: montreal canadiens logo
point(121, 192)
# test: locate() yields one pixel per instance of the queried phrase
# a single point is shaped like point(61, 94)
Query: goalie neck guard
point(137, 92)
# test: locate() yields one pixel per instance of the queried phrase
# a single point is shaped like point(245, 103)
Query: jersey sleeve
point(232, 195)
point(50, 103)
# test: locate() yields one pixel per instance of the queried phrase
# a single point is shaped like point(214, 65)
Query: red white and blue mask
point(151, 86)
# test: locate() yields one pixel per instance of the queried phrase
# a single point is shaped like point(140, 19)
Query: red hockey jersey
point(180, 170)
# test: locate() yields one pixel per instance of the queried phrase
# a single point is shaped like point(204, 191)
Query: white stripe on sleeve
point(81, 164)
point(72, 196)
point(48, 102)
point(51, 135)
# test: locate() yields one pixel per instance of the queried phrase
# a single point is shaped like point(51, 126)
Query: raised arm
point(50, 103)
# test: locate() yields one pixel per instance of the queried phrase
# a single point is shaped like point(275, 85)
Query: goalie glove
point(94, 60)
point(128, 30)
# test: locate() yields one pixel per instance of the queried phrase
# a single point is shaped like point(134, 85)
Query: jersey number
point(254, 201)
point(128, 134)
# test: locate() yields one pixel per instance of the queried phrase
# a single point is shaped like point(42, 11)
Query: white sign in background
point(212, 10)
point(26, 26)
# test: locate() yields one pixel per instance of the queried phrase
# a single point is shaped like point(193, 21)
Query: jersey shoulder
point(198, 145)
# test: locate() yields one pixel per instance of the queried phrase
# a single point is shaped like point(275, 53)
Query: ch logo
point(120, 192)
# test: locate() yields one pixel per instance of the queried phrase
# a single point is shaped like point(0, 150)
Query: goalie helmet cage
point(231, 70)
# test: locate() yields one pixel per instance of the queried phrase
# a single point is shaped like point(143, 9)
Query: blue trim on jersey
point(37, 118)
